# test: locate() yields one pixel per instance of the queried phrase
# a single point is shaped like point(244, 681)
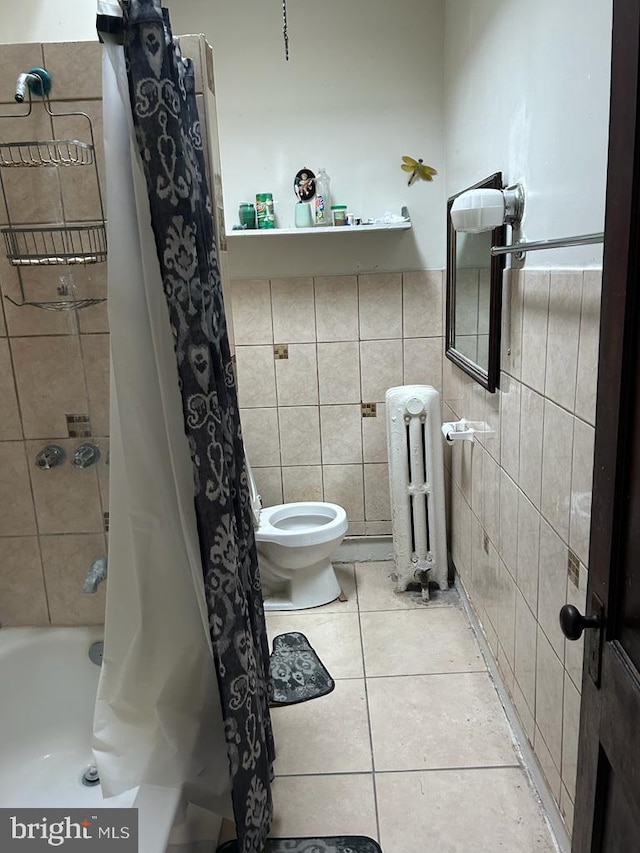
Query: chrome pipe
point(558, 243)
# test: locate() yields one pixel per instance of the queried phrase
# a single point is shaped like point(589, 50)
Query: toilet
point(295, 542)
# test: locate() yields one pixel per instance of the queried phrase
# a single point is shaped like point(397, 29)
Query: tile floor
point(413, 747)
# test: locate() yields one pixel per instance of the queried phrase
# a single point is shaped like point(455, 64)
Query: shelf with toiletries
point(404, 225)
point(313, 212)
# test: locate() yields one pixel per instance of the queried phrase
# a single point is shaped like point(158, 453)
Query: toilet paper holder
point(458, 431)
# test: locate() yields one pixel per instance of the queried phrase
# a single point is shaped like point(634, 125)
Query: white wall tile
point(261, 437)
point(565, 299)
point(506, 610)
point(380, 306)
point(423, 362)
point(251, 309)
point(589, 346)
point(510, 425)
point(337, 308)
point(557, 453)
point(256, 373)
point(570, 731)
point(269, 485)
point(525, 663)
point(297, 376)
point(548, 764)
point(299, 435)
point(552, 585)
point(581, 487)
point(549, 690)
point(381, 368)
point(344, 485)
point(531, 431)
point(374, 436)
point(339, 372)
point(341, 434)
point(512, 309)
point(491, 504)
point(376, 492)
point(302, 483)
point(528, 551)
point(534, 328)
point(422, 303)
point(293, 307)
point(508, 540)
point(10, 424)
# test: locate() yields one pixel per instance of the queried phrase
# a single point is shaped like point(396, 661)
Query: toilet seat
point(301, 523)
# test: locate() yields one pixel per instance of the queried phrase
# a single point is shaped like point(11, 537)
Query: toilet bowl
point(295, 542)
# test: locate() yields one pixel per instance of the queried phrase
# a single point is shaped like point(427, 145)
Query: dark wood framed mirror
point(474, 296)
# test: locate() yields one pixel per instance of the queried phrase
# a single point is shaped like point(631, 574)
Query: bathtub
point(46, 717)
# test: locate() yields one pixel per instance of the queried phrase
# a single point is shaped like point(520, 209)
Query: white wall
point(47, 20)
point(362, 88)
point(527, 92)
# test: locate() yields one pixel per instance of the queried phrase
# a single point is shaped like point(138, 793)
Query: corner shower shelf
point(56, 244)
point(53, 152)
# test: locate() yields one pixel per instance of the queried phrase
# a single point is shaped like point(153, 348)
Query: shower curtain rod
point(558, 243)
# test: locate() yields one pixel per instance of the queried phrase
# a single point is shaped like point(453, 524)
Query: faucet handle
point(86, 454)
point(50, 456)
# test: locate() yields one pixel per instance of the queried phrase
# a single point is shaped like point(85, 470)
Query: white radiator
point(416, 480)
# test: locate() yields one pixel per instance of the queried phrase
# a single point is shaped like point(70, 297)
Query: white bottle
point(323, 198)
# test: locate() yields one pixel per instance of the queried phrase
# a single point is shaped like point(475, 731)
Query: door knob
point(573, 623)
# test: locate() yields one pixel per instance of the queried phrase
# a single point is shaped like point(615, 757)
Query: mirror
point(474, 296)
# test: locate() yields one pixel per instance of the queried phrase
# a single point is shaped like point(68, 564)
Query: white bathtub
point(48, 693)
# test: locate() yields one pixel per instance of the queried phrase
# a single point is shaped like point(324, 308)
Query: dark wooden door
point(607, 814)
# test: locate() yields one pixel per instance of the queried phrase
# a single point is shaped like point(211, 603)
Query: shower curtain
point(184, 689)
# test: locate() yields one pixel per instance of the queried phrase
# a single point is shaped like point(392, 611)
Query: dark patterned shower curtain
point(167, 128)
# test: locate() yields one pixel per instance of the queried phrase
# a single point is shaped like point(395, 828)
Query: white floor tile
point(460, 811)
point(417, 642)
point(438, 721)
point(325, 735)
point(335, 638)
point(324, 805)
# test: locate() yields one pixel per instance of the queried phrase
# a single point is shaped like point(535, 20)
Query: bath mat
point(297, 672)
point(328, 844)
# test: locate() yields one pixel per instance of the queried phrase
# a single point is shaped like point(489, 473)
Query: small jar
point(247, 215)
point(339, 214)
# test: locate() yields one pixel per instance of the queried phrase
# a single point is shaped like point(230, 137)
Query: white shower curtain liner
point(158, 718)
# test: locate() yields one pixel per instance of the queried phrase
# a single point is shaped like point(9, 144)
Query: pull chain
point(285, 29)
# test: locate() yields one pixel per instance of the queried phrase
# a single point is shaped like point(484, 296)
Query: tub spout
point(96, 574)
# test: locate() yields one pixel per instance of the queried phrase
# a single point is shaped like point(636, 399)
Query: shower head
point(36, 80)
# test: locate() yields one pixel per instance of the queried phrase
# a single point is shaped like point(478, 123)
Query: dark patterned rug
point(298, 673)
point(329, 844)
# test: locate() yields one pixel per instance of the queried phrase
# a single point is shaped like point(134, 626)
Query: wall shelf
point(342, 229)
point(326, 229)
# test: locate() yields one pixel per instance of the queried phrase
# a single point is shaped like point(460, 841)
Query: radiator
point(416, 480)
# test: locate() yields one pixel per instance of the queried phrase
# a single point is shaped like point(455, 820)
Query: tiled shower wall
point(314, 359)
point(52, 364)
point(56, 364)
point(521, 501)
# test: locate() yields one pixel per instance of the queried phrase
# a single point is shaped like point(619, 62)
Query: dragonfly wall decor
point(418, 169)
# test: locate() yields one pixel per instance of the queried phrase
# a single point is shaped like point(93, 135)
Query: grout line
point(549, 808)
point(429, 674)
point(366, 693)
point(471, 767)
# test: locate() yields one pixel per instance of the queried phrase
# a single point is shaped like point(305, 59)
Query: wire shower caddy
point(61, 243)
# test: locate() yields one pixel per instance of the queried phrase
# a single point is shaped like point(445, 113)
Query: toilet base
point(309, 587)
